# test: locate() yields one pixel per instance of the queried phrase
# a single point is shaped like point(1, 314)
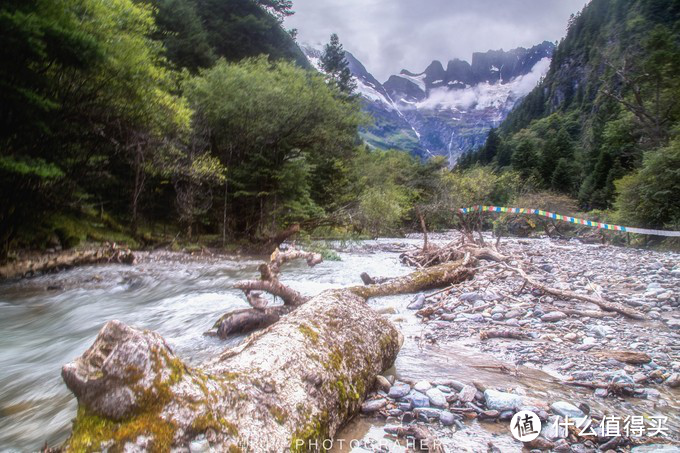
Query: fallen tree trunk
point(421, 280)
point(288, 387)
point(65, 260)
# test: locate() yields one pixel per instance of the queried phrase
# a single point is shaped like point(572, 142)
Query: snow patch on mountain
point(485, 95)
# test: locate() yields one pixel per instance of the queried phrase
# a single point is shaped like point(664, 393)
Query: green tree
point(334, 64)
point(266, 120)
point(651, 196)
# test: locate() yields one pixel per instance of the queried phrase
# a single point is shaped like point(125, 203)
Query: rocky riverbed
point(611, 366)
point(51, 319)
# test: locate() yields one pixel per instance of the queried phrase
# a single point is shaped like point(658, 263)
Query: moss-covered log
point(420, 280)
point(289, 386)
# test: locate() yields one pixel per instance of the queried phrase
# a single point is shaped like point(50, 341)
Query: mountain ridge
point(444, 111)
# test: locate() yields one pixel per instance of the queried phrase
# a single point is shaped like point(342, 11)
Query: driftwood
point(65, 260)
point(260, 316)
point(564, 294)
point(421, 280)
point(286, 388)
point(632, 357)
point(504, 333)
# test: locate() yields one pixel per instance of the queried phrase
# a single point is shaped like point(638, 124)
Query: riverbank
point(568, 353)
point(53, 318)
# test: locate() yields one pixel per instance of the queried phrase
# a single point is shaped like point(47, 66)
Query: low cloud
point(485, 95)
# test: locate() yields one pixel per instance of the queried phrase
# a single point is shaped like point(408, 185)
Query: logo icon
point(525, 426)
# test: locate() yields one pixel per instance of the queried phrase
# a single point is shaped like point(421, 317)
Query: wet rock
point(621, 377)
point(601, 393)
point(506, 415)
point(405, 406)
point(502, 401)
point(395, 413)
point(492, 413)
point(444, 388)
point(368, 407)
point(498, 316)
point(417, 303)
point(417, 399)
point(436, 397)
point(447, 418)
point(399, 390)
point(422, 386)
point(540, 443)
point(467, 394)
point(381, 383)
point(565, 409)
point(427, 413)
point(546, 267)
point(673, 380)
point(553, 316)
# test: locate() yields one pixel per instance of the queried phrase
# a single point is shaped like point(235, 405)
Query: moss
point(335, 362)
point(90, 430)
point(315, 430)
point(235, 449)
point(280, 414)
point(309, 333)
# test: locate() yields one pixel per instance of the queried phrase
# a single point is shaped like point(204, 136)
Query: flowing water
point(49, 320)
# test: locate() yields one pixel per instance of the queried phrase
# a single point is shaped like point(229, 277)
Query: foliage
point(334, 64)
point(608, 100)
point(273, 126)
point(651, 195)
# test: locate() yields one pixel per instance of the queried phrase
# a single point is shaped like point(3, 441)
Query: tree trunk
point(290, 386)
point(64, 260)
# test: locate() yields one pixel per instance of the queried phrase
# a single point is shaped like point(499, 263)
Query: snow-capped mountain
point(445, 111)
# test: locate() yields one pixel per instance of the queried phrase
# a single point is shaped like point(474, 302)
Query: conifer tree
point(335, 65)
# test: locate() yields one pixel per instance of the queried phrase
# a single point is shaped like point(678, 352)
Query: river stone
point(514, 314)
point(673, 380)
point(427, 413)
point(436, 397)
point(501, 401)
point(381, 383)
point(372, 406)
point(422, 386)
point(470, 297)
point(447, 418)
point(444, 388)
point(417, 399)
point(399, 390)
point(553, 316)
point(506, 415)
point(497, 316)
point(467, 394)
point(405, 406)
point(417, 303)
point(564, 409)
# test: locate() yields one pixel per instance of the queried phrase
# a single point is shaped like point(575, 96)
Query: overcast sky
point(389, 35)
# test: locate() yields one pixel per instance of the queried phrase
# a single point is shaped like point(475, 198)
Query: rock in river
point(417, 303)
point(564, 409)
point(374, 405)
point(418, 399)
point(422, 386)
point(399, 390)
point(502, 401)
point(436, 397)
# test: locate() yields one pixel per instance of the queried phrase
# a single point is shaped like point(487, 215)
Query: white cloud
point(389, 35)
